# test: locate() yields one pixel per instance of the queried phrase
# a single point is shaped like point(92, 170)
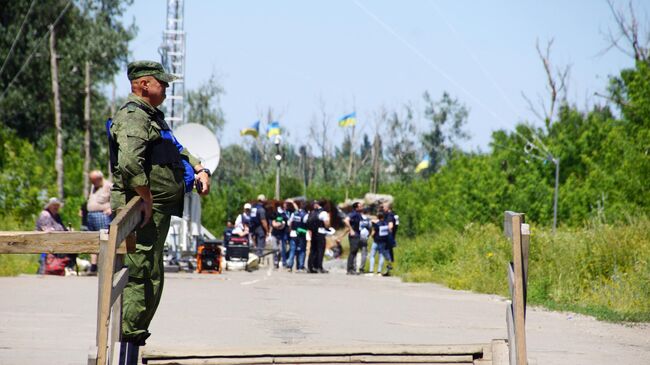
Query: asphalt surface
point(51, 320)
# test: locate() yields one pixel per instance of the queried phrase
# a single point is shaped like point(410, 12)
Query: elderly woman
point(48, 221)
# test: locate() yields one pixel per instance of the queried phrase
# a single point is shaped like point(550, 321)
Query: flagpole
point(347, 186)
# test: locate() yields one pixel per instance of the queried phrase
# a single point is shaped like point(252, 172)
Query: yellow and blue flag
point(273, 129)
point(253, 130)
point(348, 120)
point(423, 165)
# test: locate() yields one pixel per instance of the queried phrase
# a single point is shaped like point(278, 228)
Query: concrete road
point(51, 320)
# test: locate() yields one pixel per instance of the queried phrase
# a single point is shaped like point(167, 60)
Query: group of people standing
point(290, 225)
point(382, 228)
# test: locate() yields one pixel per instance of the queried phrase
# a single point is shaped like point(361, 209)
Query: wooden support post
point(518, 301)
point(105, 279)
point(124, 223)
point(525, 247)
point(119, 281)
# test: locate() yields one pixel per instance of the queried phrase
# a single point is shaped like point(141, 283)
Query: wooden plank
point(49, 242)
point(518, 299)
point(500, 352)
point(119, 282)
point(127, 219)
point(306, 359)
point(512, 357)
point(511, 279)
point(115, 354)
point(525, 247)
point(270, 360)
point(214, 361)
point(105, 287)
point(195, 361)
point(507, 223)
point(435, 359)
point(166, 353)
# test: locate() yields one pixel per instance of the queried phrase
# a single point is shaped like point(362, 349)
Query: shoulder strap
point(153, 114)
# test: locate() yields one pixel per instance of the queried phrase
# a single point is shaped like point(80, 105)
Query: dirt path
point(53, 318)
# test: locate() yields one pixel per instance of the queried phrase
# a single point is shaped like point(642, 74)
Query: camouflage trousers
point(146, 277)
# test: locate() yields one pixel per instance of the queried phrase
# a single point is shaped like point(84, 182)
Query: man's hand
point(147, 209)
point(205, 182)
point(147, 203)
point(108, 211)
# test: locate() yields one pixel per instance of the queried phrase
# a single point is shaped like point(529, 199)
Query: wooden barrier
point(519, 234)
point(111, 246)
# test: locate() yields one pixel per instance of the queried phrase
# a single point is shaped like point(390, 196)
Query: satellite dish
point(201, 142)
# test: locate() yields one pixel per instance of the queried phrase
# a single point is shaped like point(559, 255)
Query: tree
point(400, 148)
point(448, 117)
point(87, 31)
point(203, 105)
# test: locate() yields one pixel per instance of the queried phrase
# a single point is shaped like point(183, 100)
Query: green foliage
point(12, 265)
point(601, 270)
point(89, 31)
point(203, 105)
point(447, 116)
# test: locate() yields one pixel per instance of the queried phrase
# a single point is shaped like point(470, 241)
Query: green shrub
point(600, 270)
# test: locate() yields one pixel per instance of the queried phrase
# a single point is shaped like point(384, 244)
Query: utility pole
point(54, 71)
point(556, 161)
point(278, 160)
point(87, 129)
point(350, 163)
point(376, 151)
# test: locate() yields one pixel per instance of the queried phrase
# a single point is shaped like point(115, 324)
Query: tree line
point(603, 149)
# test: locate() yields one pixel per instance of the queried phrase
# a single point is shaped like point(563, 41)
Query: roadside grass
point(12, 265)
point(599, 270)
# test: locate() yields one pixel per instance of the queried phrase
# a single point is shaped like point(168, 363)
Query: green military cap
point(139, 69)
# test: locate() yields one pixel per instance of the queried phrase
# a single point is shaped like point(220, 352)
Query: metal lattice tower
point(173, 58)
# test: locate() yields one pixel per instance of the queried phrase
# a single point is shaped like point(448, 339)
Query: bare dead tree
point(627, 32)
point(54, 71)
point(87, 129)
point(318, 132)
point(556, 86)
point(377, 148)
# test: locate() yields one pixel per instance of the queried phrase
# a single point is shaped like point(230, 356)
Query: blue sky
point(290, 55)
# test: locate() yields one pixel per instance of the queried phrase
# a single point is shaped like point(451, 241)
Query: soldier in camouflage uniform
point(148, 163)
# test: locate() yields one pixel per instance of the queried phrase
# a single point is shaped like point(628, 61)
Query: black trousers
point(316, 252)
point(354, 248)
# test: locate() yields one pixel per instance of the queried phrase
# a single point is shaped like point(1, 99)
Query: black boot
point(129, 353)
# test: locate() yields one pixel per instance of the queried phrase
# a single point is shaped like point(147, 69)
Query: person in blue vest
point(352, 222)
point(365, 226)
point(279, 232)
point(380, 235)
point(297, 238)
point(259, 225)
point(393, 224)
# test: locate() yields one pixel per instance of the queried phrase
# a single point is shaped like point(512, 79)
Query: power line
point(20, 31)
point(448, 77)
point(28, 60)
